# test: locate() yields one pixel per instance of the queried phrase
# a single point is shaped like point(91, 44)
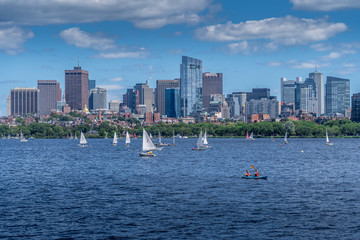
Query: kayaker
point(247, 174)
point(257, 174)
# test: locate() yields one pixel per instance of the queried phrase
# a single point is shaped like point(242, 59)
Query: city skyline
point(121, 46)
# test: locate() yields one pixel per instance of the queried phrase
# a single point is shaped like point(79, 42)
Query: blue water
point(52, 189)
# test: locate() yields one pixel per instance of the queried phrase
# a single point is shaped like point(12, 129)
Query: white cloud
point(142, 13)
point(79, 38)
point(12, 39)
point(248, 47)
point(321, 47)
point(348, 68)
point(307, 65)
point(123, 54)
point(274, 64)
point(118, 79)
point(283, 31)
point(111, 87)
point(325, 5)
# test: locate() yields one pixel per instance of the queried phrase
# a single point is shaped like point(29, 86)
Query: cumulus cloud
point(279, 31)
point(117, 79)
point(123, 54)
point(12, 39)
point(142, 13)
point(321, 47)
point(325, 5)
point(111, 87)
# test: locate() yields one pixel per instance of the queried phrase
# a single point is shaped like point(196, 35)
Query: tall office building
point(305, 97)
point(212, 83)
point(77, 88)
point(172, 102)
point(146, 96)
point(337, 95)
point(287, 90)
point(114, 106)
point(92, 84)
point(97, 99)
point(131, 99)
point(50, 93)
point(190, 86)
point(258, 94)
point(318, 91)
point(355, 107)
point(263, 106)
point(161, 85)
point(23, 101)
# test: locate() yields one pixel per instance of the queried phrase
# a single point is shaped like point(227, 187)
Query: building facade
point(161, 85)
point(258, 94)
point(287, 90)
point(355, 107)
point(212, 83)
point(23, 101)
point(114, 106)
point(190, 86)
point(77, 88)
point(262, 106)
point(318, 79)
point(49, 94)
point(172, 102)
point(146, 96)
point(97, 99)
point(337, 95)
point(92, 84)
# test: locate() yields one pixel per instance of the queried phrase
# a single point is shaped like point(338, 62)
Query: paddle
point(252, 167)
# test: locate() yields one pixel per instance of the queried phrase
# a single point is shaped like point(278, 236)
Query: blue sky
point(121, 42)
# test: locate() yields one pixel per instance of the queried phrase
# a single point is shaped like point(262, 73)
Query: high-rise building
point(212, 83)
point(305, 97)
point(318, 79)
point(97, 99)
point(262, 106)
point(190, 86)
point(114, 106)
point(172, 102)
point(92, 84)
point(258, 94)
point(23, 101)
point(337, 95)
point(131, 99)
point(77, 88)
point(50, 93)
point(355, 107)
point(146, 96)
point(238, 108)
point(161, 85)
point(287, 90)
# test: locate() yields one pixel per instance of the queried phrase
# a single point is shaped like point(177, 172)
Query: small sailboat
point(200, 143)
point(251, 136)
point(161, 143)
point(205, 141)
point(75, 136)
point(272, 138)
point(328, 142)
point(135, 135)
point(147, 146)
point(127, 139)
point(173, 139)
point(115, 140)
point(106, 137)
point(71, 136)
point(22, 138)
point(83, 142)
point(285, 139)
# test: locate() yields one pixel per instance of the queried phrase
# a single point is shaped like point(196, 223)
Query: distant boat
point(71, 136)
point(22, 138)
point(115, 140)
point(9, 137)
point(272, 138)
point(83, 142)
point(285, 139)
point(173, 139)
point(200, 143)
point(161, 143)
point(127, 139)
point(151, 136)
point(135, 135)
point(106, 137)
point(251, 136)
point(147, 146)
point(328, 142)
point(205, 141)
point(75, 136)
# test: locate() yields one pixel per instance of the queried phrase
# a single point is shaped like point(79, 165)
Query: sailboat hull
point(82, 145)
point(252, 177)
point(147, 155)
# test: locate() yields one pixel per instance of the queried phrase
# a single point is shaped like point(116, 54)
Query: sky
point(121, 42)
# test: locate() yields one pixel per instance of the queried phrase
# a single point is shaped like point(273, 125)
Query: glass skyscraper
point(337, 95)
point(355, 107)
point(172, 102)
point(190, 86)
point(318, 79)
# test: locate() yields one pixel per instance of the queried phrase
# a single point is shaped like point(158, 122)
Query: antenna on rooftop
point(78, 61)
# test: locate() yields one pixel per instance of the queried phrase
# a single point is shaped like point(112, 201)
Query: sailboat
point(83, 142)
point(71, 136)
point(328, 142)
point(127, 139)
point(135, 135)
point(272, 138)
point(200, 143)
point(22, 139)
point(147, 146)
point(75, 136)
point(115, 140)
point(205, 141)
point(106, 135)
point(173, 139)
point(161, 143)
point(285, 139)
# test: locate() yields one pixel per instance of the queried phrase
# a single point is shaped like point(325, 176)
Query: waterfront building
point(114, 106)
point(161, 85)
point(49, 94)
point(92, 84)
point(337, 95)
point(212, 83)
point(23, 101)
point(287, 90)
point(77, 88)
point(190, 86)
point(355, 107)
point(262, 106)
point(318, 79)
point(97, 99)
point(146, 96)
point(172, 102)
point(305, 97)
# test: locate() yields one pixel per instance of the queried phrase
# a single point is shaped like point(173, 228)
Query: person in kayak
point(257, 174)
point(247, 174)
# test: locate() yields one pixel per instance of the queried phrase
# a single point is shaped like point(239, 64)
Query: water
point(52, 189)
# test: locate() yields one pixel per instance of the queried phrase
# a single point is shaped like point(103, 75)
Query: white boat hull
point(147, 155)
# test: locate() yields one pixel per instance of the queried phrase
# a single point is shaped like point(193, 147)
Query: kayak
point(252, 177)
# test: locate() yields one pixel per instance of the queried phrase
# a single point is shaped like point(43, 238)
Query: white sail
point(115, 140)
point(173, 137)
point(82, 139)
point(327, 137)
point(205, 141)
point(148, 145)
point(251, 135)
point(285, 138)
point(199, 142)
point(75, 136)
point(127, 139)
point(159, 137)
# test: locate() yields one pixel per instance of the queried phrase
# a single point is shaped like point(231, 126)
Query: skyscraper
point(287, 91)
point(319, 91)
point(355, 107)
point(146, 96)
point(23, 101)
point(337, 95)
point(92, 84)
point(161, 85)
point(258, 94)
point(190, 86)
point(212, 83)
point(172, 102)
point(97, 99)
point(50, 93)
point(77, 88)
